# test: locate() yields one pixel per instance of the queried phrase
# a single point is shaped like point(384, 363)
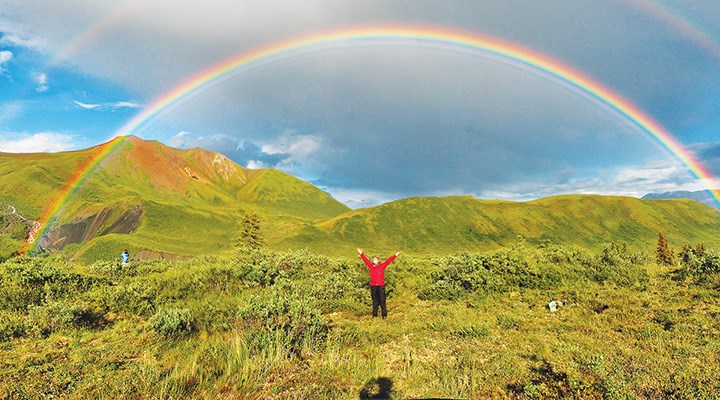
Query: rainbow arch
point(441, 38)
point(414, 36)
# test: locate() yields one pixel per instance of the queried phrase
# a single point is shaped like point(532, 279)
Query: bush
point(258, 267)
point(493, 272)
point(136, 297)
point(11, 326)
point(173, 322)
point(698, 263)
point(55, 316)
point(284, 318)
point(28, 281)
point(617, 264)
point(114, 269)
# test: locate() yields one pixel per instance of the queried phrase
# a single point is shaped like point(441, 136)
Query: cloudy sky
point(374, 123)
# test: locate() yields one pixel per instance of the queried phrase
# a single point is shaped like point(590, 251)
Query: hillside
point(445, 225)
point(159, 201)
point(146, 196)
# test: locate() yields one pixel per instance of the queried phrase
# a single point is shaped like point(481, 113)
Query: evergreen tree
point(664, 253)
point(250, 235)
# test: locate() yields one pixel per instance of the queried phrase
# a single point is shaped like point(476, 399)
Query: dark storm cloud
point(709, 155)
point(403, 120)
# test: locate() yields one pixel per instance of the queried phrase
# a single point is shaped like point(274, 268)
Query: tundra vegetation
point(294, 324)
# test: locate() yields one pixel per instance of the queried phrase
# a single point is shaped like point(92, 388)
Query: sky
point(377, 122)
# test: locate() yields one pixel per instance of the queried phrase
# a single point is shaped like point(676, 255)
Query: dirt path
point(34, 225)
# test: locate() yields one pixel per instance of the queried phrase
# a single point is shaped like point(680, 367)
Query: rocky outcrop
point(84, 229)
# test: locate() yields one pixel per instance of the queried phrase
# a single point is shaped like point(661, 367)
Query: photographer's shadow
point(378, 388)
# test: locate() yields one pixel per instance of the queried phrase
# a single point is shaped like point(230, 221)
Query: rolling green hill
point(153, 199)
point(444, 225)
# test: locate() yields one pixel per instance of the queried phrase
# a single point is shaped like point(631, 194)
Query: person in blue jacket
point(125, 257)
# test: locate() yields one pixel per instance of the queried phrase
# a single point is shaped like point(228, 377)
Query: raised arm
point(364, 258)
point(390, 259)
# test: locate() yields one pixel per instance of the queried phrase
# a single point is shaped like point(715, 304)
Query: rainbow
point(116, 16)
point(51, 209)
point(424, 37)
point(691, 30)
point(456, 41)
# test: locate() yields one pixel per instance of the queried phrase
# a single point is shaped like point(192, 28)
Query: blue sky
point(370, 125)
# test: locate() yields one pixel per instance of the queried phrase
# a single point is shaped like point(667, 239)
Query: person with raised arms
point(377, 281)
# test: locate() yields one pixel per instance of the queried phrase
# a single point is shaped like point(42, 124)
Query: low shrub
point(11, 326)
point(173, 322)
point(55, 316)
point(284, 318)
point(26, 281)
point(135, 297)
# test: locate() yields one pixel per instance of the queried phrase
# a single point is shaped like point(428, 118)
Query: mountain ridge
point(701, 196)
point(167, 193)
point(154, 199)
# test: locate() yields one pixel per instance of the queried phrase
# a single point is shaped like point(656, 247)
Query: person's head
point(125, 251)
point(376, 261)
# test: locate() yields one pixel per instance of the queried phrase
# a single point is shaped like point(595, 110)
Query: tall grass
point(297, 325)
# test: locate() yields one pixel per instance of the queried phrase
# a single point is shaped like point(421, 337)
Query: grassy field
point(265, 324)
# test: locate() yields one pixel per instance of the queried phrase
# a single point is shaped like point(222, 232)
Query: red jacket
point(377, 273)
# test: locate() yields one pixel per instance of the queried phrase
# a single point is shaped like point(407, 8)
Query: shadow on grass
point(379, 388)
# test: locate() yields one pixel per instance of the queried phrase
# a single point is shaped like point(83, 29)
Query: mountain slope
point(153, 199)
point(145, 195)
point(444, 225)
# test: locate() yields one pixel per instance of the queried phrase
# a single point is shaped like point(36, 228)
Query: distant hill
point(444, 225)
point(702, 196)
point(163, 202)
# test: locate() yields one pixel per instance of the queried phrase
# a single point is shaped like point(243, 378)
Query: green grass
point(263, 324)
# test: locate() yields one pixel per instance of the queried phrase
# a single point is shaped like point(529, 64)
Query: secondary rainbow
point(81, 173)
point(437, 38)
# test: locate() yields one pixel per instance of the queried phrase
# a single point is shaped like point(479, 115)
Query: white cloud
point(16, 34)
point(36, 142)
point(636, 181)
point(41, 80)
point(17, 40)
point(112, 106)
point(299, 146)
point(361, 198)
point(179, 140)
point(254, 164)
point(5, 56)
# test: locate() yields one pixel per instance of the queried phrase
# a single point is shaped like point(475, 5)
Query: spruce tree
point(250, 235)
point(664, 253)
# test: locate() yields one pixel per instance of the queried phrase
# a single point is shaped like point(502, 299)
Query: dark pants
point(378, 299)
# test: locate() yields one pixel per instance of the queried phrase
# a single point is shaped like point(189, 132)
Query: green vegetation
point(294, 324)
point(154, 199)
point(431, 226)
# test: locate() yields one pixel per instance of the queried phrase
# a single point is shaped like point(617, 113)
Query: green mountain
point(154, 199)
point(159, 201)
